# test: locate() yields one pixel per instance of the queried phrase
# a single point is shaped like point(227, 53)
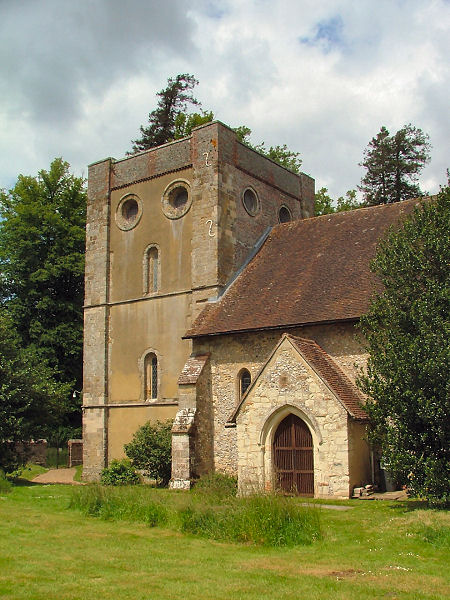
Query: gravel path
point(58, 476)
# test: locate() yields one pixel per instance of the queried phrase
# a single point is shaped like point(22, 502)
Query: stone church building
point(215, 299)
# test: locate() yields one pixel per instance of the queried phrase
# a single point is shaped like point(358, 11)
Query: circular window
point(176, 200)
point(129, 212)
point(250, 201)
point(284, 215)
point(178, 197)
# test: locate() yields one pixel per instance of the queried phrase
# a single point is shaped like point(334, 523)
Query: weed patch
point(437, 535)
point(127, 504)
point(5, 485)
point(263, 520)
point(216, 486)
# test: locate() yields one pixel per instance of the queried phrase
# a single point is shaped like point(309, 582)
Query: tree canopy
point(407, 331)
point(280, 154)
point(324, 204)
point(42, 238)
point(393, 164)
point(31, 400)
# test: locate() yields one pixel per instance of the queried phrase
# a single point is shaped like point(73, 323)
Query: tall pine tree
point(393, 164)
point(164, 121)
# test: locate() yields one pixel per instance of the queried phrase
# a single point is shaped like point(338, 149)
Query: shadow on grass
point(410, 505)
point(19, 482)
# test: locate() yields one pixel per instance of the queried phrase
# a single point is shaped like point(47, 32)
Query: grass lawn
point(375, 550)
point(31, 471)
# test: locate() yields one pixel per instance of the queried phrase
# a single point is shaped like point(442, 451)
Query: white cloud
point(321, 77)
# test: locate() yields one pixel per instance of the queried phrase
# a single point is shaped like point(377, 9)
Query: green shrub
point(119, 472)
point(150, 450)
point(216, 485)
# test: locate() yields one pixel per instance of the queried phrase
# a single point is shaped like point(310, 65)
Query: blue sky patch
point(328, 34)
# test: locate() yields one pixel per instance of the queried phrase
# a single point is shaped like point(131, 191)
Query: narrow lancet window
point(151, 270)
point(245, 380)
point(151, 377)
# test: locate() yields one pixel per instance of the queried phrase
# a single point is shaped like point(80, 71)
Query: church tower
point(167, 229)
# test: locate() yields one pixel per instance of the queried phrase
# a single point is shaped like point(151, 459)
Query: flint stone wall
point(287, 385)
point(231, 353)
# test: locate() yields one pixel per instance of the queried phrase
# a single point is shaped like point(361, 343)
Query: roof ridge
point(351, 211)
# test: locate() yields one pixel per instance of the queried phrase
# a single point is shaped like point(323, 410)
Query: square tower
point(167, 229)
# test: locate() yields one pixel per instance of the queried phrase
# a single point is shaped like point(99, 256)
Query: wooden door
point(293, 457)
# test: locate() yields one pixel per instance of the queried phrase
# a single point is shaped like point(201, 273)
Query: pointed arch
point(267, 438)
point(275, 417)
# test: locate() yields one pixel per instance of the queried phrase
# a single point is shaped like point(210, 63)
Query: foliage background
point(407, 330)
point(42, 237)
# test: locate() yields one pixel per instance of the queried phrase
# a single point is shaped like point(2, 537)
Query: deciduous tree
point(31, 399)
point(42, 237)
point(407, 330)
point(324, 204)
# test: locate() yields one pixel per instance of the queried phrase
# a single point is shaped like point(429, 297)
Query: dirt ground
point(58, 476)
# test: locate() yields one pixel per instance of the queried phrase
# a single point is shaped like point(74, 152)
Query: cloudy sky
point(77, 78)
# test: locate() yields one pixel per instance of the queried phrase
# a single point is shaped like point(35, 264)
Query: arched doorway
point(293, 457)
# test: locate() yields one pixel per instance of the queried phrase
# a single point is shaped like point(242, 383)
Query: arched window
point(151, 270)
point(284, 214)
point(151, 376)
point(244, 381)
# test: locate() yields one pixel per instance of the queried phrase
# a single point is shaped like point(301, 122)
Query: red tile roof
point(342, 387)
point(308, 271)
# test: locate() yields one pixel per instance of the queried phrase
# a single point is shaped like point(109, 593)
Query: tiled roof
point(343, 388)
point(307, 271)
point(192, 369)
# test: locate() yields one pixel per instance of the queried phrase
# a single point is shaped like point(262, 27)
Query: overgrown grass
point(78, 474)
point(438, 536)
point(263, 520)
point(119, 504)
point(5, 485)
point(216, 486)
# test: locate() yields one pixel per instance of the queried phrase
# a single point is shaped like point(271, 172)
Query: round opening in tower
point(250, 202)
point(178, 197)
point(130, 210)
